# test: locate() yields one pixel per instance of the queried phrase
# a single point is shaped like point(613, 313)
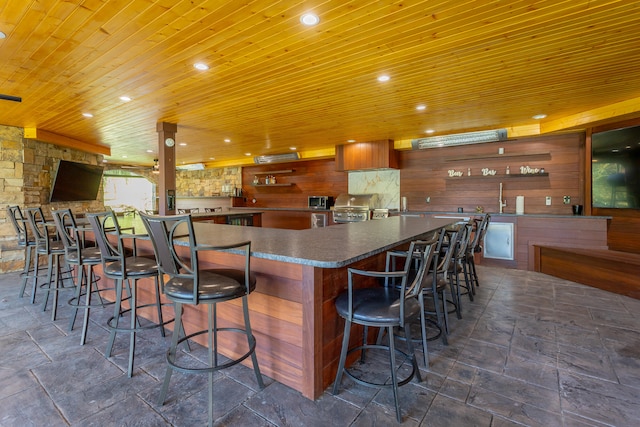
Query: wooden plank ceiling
point(274, 84)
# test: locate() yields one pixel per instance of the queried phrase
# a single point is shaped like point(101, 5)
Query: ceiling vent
point(460, 139)
point(191, 167)
point(275, 158)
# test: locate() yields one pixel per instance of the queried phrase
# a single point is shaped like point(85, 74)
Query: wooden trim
point(65, 141)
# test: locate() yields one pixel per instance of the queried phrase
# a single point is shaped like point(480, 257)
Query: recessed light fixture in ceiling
point(351, 140)
point(384, 78)
point(87, 115)
point(200, 66)
point(125, 99)
point(227, 140)
point(421, 107)
point(539, 116)
point(309, 19)
point(429, 131)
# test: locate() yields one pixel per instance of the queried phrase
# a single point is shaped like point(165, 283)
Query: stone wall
point(27, 169)
point(208, 182)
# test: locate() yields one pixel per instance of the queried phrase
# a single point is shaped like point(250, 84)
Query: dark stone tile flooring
point(530, 350)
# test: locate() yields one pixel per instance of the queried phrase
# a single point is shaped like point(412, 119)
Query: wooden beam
point(614, 112)
point(65, 141)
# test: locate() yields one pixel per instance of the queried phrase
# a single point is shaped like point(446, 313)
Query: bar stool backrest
point(451, 235)
point(67, 230)
point(102, 224)
point(424, 253)
point(19, 223)
point(163, 231)
point(171, 257)
point(37, 224)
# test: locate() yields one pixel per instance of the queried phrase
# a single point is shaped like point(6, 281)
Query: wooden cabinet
point(366, 155)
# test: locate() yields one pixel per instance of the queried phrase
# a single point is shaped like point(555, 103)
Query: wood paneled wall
point(424, 173)
point(308, 178)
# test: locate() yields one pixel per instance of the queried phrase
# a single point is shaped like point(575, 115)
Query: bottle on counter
point(507, 172)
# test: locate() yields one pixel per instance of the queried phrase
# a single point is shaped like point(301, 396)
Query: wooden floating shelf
point(273, 172)
point(505, 176)
point(273, 185)
point(497, 156)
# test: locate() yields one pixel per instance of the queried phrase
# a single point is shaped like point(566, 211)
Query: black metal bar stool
point(49, 245)
point(389, 306)
point(126, 269)
point(84, 258)
point(190, 284)
point(26, 241)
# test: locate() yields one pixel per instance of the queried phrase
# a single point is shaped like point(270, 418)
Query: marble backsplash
point(383, 182)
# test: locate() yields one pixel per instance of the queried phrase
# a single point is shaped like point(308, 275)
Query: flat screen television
point(615, 168)
point(76, 182)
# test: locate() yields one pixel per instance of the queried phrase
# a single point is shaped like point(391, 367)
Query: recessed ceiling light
point(125, 99)
point(149, 151)
point(200, 66)
point(351, 140)
point(539, 116)
point(247, 154)
point(383, 78)
point(212, 158)
point(429, 131)
point(310, 19)
point(183, 144)
point(421, 107)
point(88, 115)
point(2, 35)
point(292, 148)
point(227, 140)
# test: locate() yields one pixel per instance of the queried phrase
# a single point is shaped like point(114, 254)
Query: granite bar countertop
point(227, 212)
point(327, 247)
point(494, 214)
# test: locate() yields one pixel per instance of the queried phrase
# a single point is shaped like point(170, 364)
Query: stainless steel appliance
point(354, 207)
point(320, 202)
point(380, 214)
point(318, 220)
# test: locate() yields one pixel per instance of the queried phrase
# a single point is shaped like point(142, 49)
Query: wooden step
point(613, 271)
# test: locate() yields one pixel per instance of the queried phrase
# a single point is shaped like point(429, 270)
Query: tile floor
point(530, 350)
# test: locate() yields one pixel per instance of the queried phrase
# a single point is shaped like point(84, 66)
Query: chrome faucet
point(501, 203)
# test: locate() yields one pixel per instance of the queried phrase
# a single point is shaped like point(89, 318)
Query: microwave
point(320, 202)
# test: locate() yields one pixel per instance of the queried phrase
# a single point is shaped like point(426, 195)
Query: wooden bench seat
point(613, 271)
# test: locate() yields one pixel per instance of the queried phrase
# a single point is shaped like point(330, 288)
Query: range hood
point(274, 158)
point(460, 139)
point(191, 167)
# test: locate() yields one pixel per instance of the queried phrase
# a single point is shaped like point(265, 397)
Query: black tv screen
point(615, 168)
point(76, 182)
